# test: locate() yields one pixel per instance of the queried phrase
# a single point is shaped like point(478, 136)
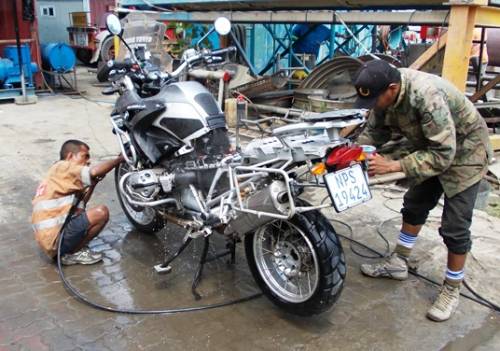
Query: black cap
point(372, 79)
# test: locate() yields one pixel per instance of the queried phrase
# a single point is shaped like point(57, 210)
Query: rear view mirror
point(222, 25)
point(113, 25)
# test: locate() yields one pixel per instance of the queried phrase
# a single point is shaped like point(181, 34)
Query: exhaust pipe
point(131, 201)
point(271, 199)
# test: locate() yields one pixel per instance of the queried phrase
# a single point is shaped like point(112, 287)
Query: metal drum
point(58, 57)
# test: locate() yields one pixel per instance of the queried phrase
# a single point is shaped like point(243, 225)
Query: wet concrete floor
point(37, 313)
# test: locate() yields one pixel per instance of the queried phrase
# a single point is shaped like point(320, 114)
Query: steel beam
point(246, 5)
point(488, 17)
point(439, 17)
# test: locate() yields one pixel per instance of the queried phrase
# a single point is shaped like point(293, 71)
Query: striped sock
point(454, 277)
point(407, 240)
point(405, 244)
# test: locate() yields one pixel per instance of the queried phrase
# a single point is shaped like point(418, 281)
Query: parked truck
point(88, 34)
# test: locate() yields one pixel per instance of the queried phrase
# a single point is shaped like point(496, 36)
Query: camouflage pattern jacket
point(448, 134)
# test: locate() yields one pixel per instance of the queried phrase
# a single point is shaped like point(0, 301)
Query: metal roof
point(242, 5)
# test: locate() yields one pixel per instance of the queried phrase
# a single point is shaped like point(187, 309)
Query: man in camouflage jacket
point(451, 156)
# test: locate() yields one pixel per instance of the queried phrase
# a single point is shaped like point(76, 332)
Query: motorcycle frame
point(224, 203)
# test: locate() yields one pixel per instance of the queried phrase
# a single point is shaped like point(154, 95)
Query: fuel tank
point(191, 111)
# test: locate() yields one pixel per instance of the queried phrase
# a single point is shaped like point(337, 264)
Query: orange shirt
point(53, 200)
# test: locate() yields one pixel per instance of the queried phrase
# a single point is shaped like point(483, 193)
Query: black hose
point(476, 298)
point(379, 233)
point(491, 304)
point(73, 291)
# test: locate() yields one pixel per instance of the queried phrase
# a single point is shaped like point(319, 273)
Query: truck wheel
point(107, 49)
point(107, 53)
point(84, 55)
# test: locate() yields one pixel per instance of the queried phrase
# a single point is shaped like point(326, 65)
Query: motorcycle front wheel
point(145, 219)
point(299, 263)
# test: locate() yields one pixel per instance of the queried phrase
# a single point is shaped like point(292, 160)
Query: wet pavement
point(37, 313)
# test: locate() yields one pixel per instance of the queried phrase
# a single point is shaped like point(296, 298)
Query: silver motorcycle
point(182, 168)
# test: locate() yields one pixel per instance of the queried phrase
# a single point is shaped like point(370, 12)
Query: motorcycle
point(181, 168)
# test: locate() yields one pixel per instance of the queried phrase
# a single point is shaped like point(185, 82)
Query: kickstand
point(197, 276)
point(165, 267)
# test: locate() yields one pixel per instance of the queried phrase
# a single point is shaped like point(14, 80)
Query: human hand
point(96, 180)
point(118, 160)
point(380, 165)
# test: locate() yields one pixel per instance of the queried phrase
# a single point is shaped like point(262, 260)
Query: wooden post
point(430, 52)
point(459, 43)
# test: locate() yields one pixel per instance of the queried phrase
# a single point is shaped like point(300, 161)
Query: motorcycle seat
point(334, 115)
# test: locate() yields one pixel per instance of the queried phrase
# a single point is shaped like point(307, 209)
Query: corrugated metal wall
point(98, 10)
point(53, 28)
point(27, 31)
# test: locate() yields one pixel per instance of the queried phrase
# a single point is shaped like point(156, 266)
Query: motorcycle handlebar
point(105, 70)
point(199, 56)
point(122, 64)
point(223, 51)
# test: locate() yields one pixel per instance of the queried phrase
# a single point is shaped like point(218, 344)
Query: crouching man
point(451, 157)
point(67, 181)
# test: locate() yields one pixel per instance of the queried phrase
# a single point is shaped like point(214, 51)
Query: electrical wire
point(73, 291)
point(164, 9)
point(95, 101)
point(70, 288)
point(387, 250)
point(79, 93)
point(476, 296)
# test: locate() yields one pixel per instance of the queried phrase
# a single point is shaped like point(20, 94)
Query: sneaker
point(393, 267)
point(94, 254)
point(445, 304)
point(80, 257)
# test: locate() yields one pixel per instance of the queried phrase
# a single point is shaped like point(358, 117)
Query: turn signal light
point(318, 169)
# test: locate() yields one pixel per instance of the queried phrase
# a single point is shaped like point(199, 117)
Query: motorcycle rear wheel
point(299, 263)
point(145, 219)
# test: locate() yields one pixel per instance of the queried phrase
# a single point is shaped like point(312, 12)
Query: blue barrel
point(10, 52)
point(58, 57)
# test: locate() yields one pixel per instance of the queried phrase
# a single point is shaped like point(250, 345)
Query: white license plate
point(347, 188)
